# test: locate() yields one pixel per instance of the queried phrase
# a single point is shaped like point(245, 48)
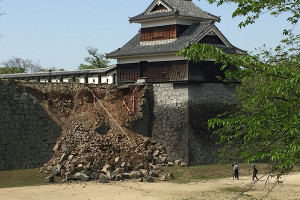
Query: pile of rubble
point(83, 154)
point(94, 143)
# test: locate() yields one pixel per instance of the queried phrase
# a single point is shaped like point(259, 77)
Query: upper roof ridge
point(174, 8)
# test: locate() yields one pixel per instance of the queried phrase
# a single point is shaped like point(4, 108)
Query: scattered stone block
point(118, 162)
point(81, 176)
point(125, 166)
point(177, 162)
point(49, 179)
point(70, 167)
point(79, 167)
point(156, 153)
point(141, 179)
point(110, 176)
point(183, 164)
point(95, 175)
point(163, 177)
point(144, 172)
point(69, 176)
point(153, 173)
point(55, 171)
point(149, 179)
point(169, 176)
point(63, 157)
point(70, 157)
point(107, 168)
point(135, 174)
point(125, 175)
point(94, 168)
point(103, 179)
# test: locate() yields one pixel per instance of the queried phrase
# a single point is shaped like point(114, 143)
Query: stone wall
point(181, 113)
point(206, 100)
point(27, 134)
point(171, 118)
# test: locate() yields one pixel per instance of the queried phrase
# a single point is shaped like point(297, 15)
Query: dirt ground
point(212, 189)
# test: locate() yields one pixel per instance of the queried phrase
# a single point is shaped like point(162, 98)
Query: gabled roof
point(192, 35)
point(175, 8)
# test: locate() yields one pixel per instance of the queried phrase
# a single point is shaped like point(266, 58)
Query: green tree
point(266, 124)
point(10, 70)
point(253, 9)
point(96, 60)
point(24, 65)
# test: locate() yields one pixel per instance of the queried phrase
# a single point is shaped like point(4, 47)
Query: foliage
point(10, 70)
point(84, 66)
point(24, 66)
point(96, 60)
point(266, 124)
point(252, 9)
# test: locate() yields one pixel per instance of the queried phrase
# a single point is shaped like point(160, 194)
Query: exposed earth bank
point(212, 189)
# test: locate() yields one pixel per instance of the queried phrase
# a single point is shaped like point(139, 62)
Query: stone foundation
point(27, 135)
point(181, 113)
point(171, 119)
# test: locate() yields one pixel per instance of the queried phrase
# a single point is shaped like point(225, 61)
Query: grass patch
point(236, 190)
point(21, 178)
point(233, 189)
point(208, 172)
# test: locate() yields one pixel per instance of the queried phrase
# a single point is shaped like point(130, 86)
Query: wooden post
point(86, 78)
point(99, 79)
point(114, 78)
point(133, 99)
point(49, 77)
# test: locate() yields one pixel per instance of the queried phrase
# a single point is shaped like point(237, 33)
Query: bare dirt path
point(212, 189)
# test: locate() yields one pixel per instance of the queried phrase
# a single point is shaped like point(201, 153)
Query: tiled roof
point(180, 8)
point(59, 73)
point(192, 35)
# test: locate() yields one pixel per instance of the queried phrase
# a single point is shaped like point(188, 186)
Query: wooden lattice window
point(158, 33)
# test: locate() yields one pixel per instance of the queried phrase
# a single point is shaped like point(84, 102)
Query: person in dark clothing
point(233, 172)
point(254, 173)
point(236, 171)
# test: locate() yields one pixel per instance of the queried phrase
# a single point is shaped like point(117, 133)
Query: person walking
point(254, 173)
point(236, 170)
point(233, 175)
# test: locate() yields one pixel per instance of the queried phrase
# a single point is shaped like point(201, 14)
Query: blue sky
point(57, 32)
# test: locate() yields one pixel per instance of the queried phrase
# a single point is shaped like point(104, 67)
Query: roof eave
point(143, 55)
point(174, 16)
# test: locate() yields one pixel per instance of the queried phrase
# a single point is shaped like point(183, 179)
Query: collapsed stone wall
point(181, 112)
point(33, 117)
point(38, 119)
point(27, 134)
